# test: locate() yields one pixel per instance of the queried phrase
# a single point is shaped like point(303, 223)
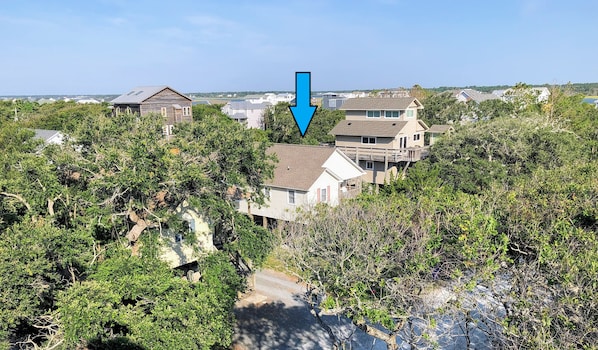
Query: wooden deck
point(412, 154)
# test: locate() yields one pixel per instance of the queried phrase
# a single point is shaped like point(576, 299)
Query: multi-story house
point(382, 135)
point(171, 104)
point(245, 112)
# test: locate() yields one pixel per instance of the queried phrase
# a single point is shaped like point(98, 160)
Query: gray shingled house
point(171, 104)
point(382, 135)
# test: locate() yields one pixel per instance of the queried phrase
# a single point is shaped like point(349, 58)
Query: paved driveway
point(275, 316)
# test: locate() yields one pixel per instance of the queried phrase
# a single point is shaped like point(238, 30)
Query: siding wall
point(167, 98)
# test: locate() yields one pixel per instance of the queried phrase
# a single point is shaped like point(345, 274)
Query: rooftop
point(379, 103)
point(299, 166)
point(141, 93)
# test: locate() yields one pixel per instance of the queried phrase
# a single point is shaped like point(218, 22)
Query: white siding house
point(306, 176)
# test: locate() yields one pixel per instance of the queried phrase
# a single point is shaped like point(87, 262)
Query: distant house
point(382, 135)
point(305, 176)
point(467, 95)
point(332, 101)
point(270, 98)
point(247, 113)
point(88, 101)
point(439, 130)
point(541, 94)
point(171, 104)
point(49, 137)
point(182, 247)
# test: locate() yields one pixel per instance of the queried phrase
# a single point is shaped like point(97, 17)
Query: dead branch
point(17, 197)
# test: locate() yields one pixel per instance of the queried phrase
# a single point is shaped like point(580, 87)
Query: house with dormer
point(382, 135)
point(174, 106)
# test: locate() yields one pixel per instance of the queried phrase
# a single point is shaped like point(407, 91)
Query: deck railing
point(411, 154)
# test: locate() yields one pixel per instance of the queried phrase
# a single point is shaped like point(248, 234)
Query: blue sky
point(110, 46)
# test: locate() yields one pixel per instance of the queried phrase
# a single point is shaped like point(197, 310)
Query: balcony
point(411, 154)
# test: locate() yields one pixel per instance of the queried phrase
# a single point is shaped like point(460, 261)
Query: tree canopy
point(491, 241)
point(81, 224)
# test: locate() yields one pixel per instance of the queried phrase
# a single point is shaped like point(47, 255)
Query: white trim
point(369, 139)
point(369, 162)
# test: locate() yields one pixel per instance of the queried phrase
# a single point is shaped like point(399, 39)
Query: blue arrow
point(303, 111)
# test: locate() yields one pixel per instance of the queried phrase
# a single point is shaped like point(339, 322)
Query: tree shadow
point(119, 343)
point(276, 326)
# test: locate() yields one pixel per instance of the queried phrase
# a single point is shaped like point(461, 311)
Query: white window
point(369, 165)
point(368, 139)
point(323, 195)
point(416, 137)
point(403, 142)
point(128, 110)
point(291, 196)
point(163, 112)
point(392, 114)
point(410, 113)
point(117, 110)
point(267, 192)
point(373, 114)
point(186, 111)
point(167, 130)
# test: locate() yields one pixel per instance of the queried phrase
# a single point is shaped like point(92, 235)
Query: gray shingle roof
point(478, 96)
point(299, 166)
point(248, 105)
point(439, 128)
point(45, 134)
point(379, 128)
point(378, 103)
point(141, 93)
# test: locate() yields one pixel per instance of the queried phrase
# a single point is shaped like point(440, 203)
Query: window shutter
point(318, 192)
point(328, 193)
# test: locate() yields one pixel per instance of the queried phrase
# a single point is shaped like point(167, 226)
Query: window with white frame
point(410, 113)
point(291, 194)
point(403, 142)
point(369, 165)
point(128, 110)
point(323, 195)
point(186, 111)
point(167, 130)
point(368, 139)
point(373, 114)
point(163, 112)
point(392, 114)
point(416, 137)
point(267, 192)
